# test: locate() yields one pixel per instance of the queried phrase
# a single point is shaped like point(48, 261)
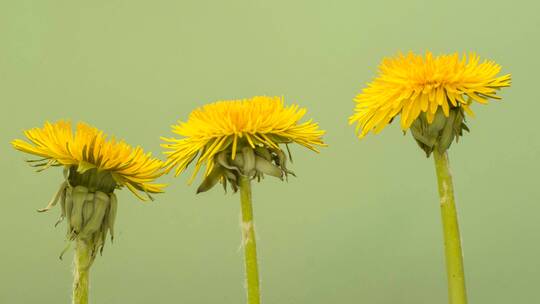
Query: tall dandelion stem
point(248, 242)
point(457, 293)
point(81, 272)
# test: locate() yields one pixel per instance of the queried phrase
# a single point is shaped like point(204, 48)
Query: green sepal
point(211, 180)
point(250, 162)
point(265, 167)
point(441, 132)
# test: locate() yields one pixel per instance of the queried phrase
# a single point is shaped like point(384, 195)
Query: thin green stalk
point(457, 293)
point(249, 244)
point(83, 260)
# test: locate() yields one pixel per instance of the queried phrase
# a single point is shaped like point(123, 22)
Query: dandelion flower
point(94, 167)
point(432, 95)
point(240, 137)
point(237, 141)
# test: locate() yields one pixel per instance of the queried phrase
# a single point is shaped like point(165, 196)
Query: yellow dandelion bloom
point(224, 129)
point(94, 167)
point(89, 149)
point(411, 85)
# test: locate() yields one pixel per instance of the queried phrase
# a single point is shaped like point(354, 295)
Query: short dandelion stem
point(457, 293)
point(83, 261)
point(248, 242)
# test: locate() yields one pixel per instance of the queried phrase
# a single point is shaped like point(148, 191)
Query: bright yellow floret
point(258, 122)
point(88, 148)
point(411, 84)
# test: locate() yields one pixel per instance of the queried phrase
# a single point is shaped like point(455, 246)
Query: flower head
point(240, 137)
point(89, 149)
point(93, 168)
point(418, 87)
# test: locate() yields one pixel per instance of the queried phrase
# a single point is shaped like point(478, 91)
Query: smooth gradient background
point(361, 222)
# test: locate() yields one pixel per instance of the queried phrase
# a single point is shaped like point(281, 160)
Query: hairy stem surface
point(457, 293)
point(83, 261)
point(248, 242)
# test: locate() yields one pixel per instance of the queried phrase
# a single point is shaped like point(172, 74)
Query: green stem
point(248, 240)
point(457, 293)
point(83, 261)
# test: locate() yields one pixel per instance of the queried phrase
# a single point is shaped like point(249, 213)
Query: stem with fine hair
point(248, 242)
point(457, 293)
point(83, 261)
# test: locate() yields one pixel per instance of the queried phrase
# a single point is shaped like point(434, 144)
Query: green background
point(361, 222)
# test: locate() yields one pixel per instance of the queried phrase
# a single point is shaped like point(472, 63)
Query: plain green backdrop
point(361, 222)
